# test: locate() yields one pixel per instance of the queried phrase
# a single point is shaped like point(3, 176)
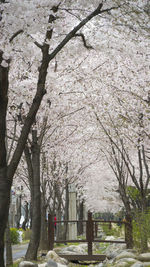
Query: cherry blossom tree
point(116, 88)
point(24, 25)
point(20, 37)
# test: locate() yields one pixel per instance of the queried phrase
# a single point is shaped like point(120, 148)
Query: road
point(19, 251)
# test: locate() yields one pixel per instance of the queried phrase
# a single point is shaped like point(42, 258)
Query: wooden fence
point(91, 237)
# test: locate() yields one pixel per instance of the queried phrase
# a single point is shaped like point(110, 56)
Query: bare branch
point(71, 113)
point(83, 39)
point(146, 168)
point(15, 35)
point(73, 32)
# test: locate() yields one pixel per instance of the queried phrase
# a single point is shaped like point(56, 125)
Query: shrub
point(115, 231)
point(14, 235)
point(141, 228)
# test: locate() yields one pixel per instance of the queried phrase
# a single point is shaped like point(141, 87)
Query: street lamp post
point(72, 212)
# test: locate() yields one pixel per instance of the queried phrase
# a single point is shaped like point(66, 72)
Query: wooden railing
point(91, 237)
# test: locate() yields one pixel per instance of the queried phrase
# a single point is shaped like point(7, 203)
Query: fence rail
point(91, 228)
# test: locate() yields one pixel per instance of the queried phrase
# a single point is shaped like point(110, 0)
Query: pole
point(89, 233)
point(50, 232)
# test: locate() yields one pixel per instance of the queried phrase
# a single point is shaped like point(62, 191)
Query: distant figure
point(55, 221)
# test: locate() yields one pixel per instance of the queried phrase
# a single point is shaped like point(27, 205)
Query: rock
point(125, 254)
point(42, 265)
point(146, 263)
point(83, 246)
point(144, 257)
point(61, 265)
point(114, 249)
point(137, 264)
point(67, 252)
point(27, 264)
point(121, 264)
point(110, 237)
point(51, 263)
point(125, 260)
point(51, 255)
point(57, 250)
point(100, 265)
point(75, 249)
point(128, 260)
point(110, 254)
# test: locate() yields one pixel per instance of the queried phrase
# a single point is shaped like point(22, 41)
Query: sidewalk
point(19, 250)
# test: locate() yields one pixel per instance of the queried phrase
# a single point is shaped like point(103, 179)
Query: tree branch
point(72, 33)
point(83, 39)
point(15, 35)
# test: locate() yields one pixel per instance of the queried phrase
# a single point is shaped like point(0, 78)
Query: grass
point(14, 265)
point(102, 248)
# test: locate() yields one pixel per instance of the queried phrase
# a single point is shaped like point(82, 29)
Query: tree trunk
point(43, 239)
point(31, 253)
point(5, 183)
point(59, 233)
point(9, 259)
point(7, 172)
point(18, 217)
point(128, 231)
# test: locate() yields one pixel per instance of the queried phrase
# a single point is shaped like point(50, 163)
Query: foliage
point(14, 265)
point(141, 227)
point(104, 215)
point(102, 248)
point(113, 230)
point(14, 235)
point(133, 192)
point(135, 196)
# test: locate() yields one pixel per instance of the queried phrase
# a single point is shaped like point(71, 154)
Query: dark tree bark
point(5, 183)
point(18, 217)
point(9, 258)
point(59, 233)
point(43, 238)
point(31, 253)
point(128, 231)
point(7, 172)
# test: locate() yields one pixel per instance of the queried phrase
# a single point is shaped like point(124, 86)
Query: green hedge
point(141, 228)
point(14, 235)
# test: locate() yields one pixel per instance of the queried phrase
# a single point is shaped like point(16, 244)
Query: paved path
point(19, 250)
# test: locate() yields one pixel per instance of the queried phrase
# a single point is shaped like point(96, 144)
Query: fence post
point(96, 229)
point(50, 232)
point(110, 226)
point(89, 233)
